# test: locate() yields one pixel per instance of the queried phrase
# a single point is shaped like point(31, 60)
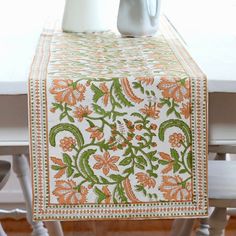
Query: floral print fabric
point(133, 141)
point(119, 124)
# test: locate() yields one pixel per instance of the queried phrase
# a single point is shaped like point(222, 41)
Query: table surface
point(209, 37)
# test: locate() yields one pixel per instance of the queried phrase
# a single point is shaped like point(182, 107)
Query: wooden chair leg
point(21, 168)
point(2, 232)
point(182, 227)
point(54, 228)
point(218, 222)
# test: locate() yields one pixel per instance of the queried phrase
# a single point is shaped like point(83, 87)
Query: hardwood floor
point(114, 228)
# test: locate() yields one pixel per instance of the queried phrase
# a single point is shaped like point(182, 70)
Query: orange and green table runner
point(118, 128)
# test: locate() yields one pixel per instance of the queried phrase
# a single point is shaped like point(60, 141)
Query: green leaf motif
point(169, 111)
point(85, 167)
point(65, 127)
point(190, 160)
point(137, 115)
point(98, 109)
point(150, 196)
point(176, 167)
point(126, 161)
point(116, 178)
point(67, 159)
point(183, 171)
point(155, 167)
point(58, 106)
point(152, 174)
point(98, 93)
point(137, 85)
point(151, 156)
point(101, 195)
point(174, 154)
point(153, 93)
point(175, 123)
point(70, 171)
point(177, 115)
point(77, 175)
point(141, 160)
point(70, 118)
point(140, 188)
point(163, 162)
point(91, 124)
point(119, 94)
point(54, 167)
point(141, 167)
point(62, 116)
point(121, 194)
point(104, 181)
point(127, 151)
point(116, 114)
point(103, 145)
point(129, 171)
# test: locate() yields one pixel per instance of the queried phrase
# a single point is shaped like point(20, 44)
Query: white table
point(207, 28)
point(207, 33)
point(21, 23)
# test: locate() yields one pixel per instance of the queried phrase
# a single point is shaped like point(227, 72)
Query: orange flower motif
point(153, 126)
point(67, 144)
point(95, 132)
point(107, 192)
point(68, 194)
point(166, 157)
point(67, 91)
point(176, 139)
point(114, 148)
point(61, 165)
point(151, 111)
point(81, 112)
point(106, 92)
point(139, 127)
point(139, 137)
point(106, 163)
point(186, 110)
point(174, 88)
point(174, 189)
point(145, 180)
point(146, 80)
point(53, 110)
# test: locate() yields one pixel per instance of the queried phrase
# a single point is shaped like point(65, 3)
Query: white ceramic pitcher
point(138, 17)
point(87, 15)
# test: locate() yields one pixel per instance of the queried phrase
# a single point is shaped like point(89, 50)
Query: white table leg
point(182, 227)
point(54, 228)
point(218, 222)
point(21, 168)
point(2, 232)
point(203, 229)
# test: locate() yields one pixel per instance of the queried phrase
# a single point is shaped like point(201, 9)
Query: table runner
point(118, 128)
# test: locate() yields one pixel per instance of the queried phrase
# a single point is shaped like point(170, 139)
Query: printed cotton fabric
point(118, 128)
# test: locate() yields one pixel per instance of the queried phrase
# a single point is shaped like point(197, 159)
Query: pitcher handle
point(154, 18)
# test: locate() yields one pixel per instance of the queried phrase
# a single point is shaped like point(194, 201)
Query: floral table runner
point(118, 128)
